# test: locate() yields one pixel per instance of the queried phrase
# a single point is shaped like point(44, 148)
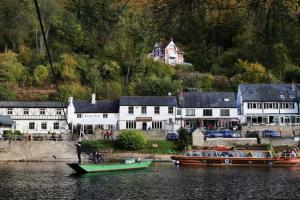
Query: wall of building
point(150, 115)
point(216, 113)
point(97, 119)
point(269, 111)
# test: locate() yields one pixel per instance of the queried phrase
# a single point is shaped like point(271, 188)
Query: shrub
point(131, 140)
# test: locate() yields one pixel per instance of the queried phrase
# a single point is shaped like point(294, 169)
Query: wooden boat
point(235, 158)
point(87, 168)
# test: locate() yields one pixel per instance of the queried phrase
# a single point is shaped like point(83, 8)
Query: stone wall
point(286, 131)
point(149, 134)
point(38, 151)
point(229, 141)
point(280, 141)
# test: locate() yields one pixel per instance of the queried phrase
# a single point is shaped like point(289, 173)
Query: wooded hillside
point(102, 45)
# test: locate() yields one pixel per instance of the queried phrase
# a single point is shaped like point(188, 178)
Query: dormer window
point(282, 96)
point(292, 96)
point(226, 99)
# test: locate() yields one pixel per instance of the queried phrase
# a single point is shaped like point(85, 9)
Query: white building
point(168, 53)
point(93, 115)
point(209, 110)
point(268, 103)
point(147, 112)
point(35, 117)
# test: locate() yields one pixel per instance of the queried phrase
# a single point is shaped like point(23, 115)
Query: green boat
point(87, 168)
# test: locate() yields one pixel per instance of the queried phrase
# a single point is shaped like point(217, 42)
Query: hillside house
point(168, 53)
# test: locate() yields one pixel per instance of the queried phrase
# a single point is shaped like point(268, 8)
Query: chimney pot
point(93, 98)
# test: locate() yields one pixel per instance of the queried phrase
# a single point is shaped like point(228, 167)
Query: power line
point(50, 60)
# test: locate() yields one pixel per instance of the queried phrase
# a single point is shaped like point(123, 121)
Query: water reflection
point(160, 181)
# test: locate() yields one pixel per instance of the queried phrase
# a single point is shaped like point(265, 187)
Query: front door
point(144, 125)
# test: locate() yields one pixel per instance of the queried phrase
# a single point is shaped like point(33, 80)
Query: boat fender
point(177, 162)
point(226, 161)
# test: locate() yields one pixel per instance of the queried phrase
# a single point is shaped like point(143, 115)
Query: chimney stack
point(70, 99)
point(293, 86)
point(93, 98)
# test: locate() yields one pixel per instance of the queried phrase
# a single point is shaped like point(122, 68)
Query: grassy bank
point(152, 147)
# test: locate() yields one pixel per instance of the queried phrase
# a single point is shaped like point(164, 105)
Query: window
point(224, 112)
point(58, 111)
point(44, 125)
point(156, 110)
point(55, 125)
point(207, 112)
point(249, 105)
point(42, 111)
point(130, 110)
point(144, 110)
point(170, 110)
point(157, 125)
point(104, 115)
point(31, 125)
point(130, 124)
point(9, 111)
point(190, 112)
point(79, 115)
point(25, 111)
point(178, 111)
point(110, 127)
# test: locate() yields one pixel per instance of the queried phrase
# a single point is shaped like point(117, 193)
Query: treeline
point(101, 46)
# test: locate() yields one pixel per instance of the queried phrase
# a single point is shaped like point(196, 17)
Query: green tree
point(41, 74)
point(6, 92)
point(157, 87)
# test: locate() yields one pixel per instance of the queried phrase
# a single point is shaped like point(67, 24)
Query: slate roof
point(101, 106)
point(209, 100)
point(163, 45)
point(269, 92)
point(5, 119)
point(31, 104)
point(148, 101)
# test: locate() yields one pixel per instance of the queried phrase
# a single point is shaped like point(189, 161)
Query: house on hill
point(168, 53)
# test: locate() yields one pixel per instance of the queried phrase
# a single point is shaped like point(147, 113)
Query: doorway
point(144, 125)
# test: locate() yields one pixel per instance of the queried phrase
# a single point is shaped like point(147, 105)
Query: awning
point(5, 119)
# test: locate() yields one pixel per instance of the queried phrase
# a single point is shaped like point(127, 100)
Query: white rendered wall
point(137, 112)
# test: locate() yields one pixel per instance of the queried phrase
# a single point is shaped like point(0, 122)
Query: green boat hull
point(88, 168)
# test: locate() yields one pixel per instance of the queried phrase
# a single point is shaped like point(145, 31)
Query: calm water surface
point(160, 181)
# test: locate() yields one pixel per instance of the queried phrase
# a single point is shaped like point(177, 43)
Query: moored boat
point(131, 165)
point(235, 158)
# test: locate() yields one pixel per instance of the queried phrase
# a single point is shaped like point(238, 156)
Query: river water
point(160, 181)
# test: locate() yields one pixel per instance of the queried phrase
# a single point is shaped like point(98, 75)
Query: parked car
point(252, 134)
point(172, 136)
point(213, 134)
point(230, 134)
point(271, 133)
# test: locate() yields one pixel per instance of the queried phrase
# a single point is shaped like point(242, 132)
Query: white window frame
point(156, 110)
point(56, 125)
point(25, 111)
point(31, 126)
point(9, 111)
point(42, 111)
point(44, 125)
point(130, 110)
